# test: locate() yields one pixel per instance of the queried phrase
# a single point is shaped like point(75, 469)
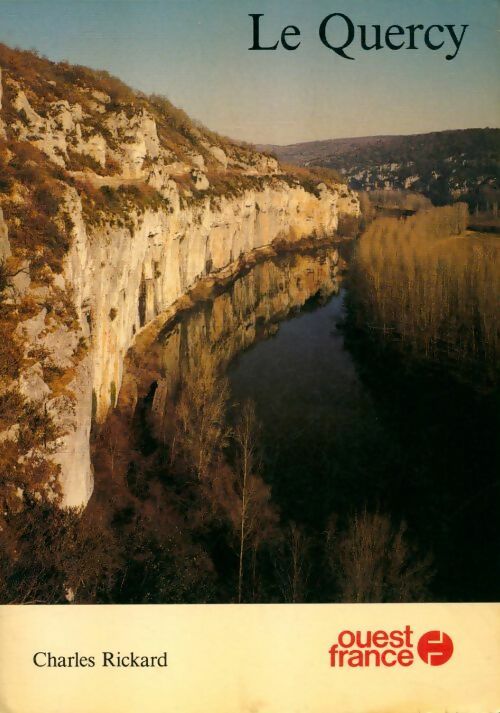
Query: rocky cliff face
point(211, 332)
point(114, 206)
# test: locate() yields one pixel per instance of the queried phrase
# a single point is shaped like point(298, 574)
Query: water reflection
point(250, 311)
point(349, 424)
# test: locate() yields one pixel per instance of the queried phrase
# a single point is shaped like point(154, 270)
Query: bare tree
point(293, 568)
point(434, 293)
point(200, 430)
point(255, 515)
point(244, 436)
point(374, 562)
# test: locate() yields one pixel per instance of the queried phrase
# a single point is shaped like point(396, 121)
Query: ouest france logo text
point(399, 647)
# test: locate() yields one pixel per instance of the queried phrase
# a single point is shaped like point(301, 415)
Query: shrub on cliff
point(50, 556)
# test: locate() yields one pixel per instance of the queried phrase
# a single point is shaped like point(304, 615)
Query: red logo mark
point(435, 648)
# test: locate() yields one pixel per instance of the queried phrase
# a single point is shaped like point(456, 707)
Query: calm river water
point(349, 425)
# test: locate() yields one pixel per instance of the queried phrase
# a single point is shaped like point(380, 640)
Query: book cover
point(249, 356)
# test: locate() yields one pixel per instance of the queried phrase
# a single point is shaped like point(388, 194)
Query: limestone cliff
point(114, 205)
point(215, 326)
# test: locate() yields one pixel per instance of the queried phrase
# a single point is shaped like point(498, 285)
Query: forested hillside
point(445, 166)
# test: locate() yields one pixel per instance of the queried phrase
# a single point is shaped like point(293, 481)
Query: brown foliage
point(117, 204)
point(201, 431)
point(436, 292)
point(406, 200)
point(374, 562)
point(34, 229)
point(49, 554)
point(293, 565)
point(255, 516)
point(11, 357)
point(311, 176)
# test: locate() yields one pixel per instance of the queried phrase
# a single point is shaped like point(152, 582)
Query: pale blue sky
point(196, 52)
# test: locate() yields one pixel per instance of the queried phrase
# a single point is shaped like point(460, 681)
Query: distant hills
point(445, 166)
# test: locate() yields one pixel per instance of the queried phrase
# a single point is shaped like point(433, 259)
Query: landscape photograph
point(249, 302)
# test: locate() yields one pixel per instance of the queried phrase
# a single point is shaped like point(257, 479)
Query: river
point(349, 425)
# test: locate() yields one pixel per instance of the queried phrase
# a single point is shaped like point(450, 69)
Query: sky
point(196, 52)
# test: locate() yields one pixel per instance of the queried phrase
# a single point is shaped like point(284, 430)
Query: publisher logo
point(389, 648)
point(435, 648)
